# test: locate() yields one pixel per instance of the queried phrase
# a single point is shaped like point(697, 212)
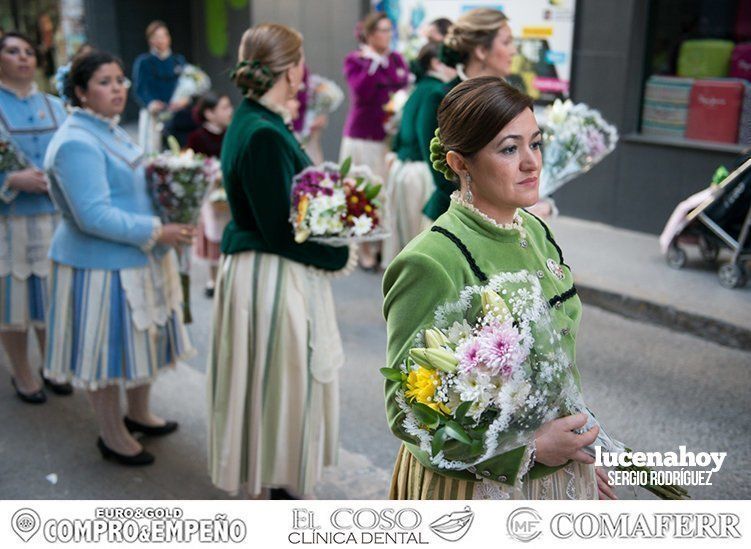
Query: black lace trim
point(565, 296)
point(463, 249)
point(550, 239)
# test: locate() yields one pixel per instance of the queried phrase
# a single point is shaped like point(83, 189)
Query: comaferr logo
point(744, 65)
point(711, 101)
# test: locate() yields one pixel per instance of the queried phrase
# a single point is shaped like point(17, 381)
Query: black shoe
point(144, 458)
point(166, 429)
point(37, 397)
point(208, 292)
point(280, 493)
point(62, 389)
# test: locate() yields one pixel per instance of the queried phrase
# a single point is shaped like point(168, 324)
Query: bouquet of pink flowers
point(178, 181)
point(336, 205)
point(487, 375)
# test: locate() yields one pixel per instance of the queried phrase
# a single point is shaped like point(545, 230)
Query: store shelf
point(731, 148)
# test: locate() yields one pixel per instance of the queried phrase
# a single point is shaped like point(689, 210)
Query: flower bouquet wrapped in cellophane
point(337, 205)
point(177, 182)
point(575, 138)
point(490, 371)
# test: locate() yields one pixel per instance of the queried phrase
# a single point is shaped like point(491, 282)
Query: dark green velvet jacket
point(431, 270)
point(439, 201)
point(260, 156)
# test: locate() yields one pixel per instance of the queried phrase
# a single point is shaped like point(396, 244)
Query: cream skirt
point(413, 481)
point(272, 375)
point(24, 269)
point(410, 185)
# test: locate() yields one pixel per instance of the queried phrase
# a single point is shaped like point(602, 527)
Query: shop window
point(697, 85)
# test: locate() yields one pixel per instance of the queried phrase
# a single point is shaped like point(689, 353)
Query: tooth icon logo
point(454, 526)
point(25, 523)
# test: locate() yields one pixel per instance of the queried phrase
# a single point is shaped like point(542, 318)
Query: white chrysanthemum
point(335, 225)
point(177, 190)
point(319, 224)
point(362, 225)
point(338, 199)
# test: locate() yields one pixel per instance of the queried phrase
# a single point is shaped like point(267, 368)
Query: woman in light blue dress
point(28, 119)
point(115, 314)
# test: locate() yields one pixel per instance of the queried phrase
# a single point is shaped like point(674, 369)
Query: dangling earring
point(468, 194)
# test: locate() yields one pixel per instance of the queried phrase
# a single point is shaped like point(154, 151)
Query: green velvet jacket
point(412, 143)
point(432, 270)
point(439, 201)
point(260, 156)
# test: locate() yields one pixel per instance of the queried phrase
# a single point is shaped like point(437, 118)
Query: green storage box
point(705, 58)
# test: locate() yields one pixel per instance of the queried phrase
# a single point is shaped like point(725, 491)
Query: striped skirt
point(115, 326)
point(272, 375)
point(410, 185)
point(413, 481)
point(24, 268)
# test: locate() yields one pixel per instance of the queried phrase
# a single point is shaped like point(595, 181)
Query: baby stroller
point(721, 220)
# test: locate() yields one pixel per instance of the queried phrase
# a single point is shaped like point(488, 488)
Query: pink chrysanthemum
point(468, 354)
point(500, 348)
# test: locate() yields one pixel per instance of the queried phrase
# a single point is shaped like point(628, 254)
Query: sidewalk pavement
point(624, 272)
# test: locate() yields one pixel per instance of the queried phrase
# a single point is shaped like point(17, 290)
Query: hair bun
point(448, 55)
point(438, 157)
point(253, 77)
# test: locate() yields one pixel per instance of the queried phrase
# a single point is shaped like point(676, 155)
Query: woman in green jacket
point(410, 182)
point(479, 43)
point(490, 143)
point(275, 348)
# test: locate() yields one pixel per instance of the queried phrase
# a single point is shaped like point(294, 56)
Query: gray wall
point(238, 21)
point(327, 27)
point(638, 185)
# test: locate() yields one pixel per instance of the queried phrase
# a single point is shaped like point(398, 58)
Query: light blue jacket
point(30, 122)
point(97, 181)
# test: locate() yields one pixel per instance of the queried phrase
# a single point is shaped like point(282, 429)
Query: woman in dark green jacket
point(410, 182)
point(479, 43)
point(491, 145)
point(275, 349)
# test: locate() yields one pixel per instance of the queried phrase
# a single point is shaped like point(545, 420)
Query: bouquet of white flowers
point(576, 137)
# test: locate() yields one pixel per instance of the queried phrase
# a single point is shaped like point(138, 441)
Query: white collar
point(460, 72)
point(376, 59)
point(515, 225)
point(32, 90)
point(212, 128)
point(112, 122)
point(162, 56)
point(277, 109)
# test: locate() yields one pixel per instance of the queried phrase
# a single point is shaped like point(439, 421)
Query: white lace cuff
point(7, 194)
point(344, 271)
point(528, 460)
point(156, 232)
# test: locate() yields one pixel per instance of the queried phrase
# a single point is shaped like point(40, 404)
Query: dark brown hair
point(442, 25)
point(20, 36)
point(475, 111)
point(155, 26)
point(83, 69)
